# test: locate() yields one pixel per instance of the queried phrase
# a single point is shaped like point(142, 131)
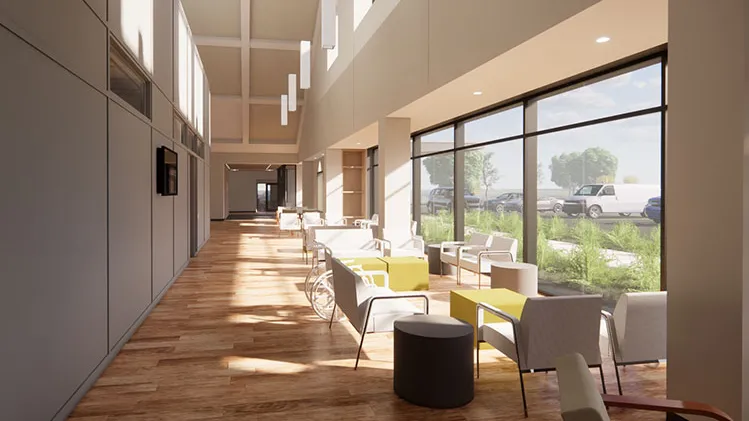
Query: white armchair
point(369, 309)
point(451, 251)
point(399, 245)
point(479, 260)
point(637, 329)
point(289, 222)
point(549, 327)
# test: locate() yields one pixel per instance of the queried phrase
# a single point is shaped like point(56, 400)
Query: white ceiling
point(248, 49)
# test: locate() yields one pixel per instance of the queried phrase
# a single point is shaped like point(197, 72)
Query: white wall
point(404, 49)
point(333, 173)
point(88, 247)
point(243, 189)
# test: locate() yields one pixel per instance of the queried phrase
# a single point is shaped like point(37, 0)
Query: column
point(333, 173)
point(394, 175)
point(706, 203)
point(299, 184)
point(309, 174)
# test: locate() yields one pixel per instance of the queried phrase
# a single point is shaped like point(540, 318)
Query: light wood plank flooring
point(234, 339)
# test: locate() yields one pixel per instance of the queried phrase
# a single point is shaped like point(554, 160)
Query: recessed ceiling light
point(603, 39)
point(358, 143)
point(477, 93)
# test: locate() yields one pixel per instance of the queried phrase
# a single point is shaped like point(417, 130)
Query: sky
point(635, 141)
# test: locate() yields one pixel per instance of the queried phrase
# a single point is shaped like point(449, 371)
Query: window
point(595, 147)
point(127, 80)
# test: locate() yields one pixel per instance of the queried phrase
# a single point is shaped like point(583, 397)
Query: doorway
point(267, 197)
point(193, 208)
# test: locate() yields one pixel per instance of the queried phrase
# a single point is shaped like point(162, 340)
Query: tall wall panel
point(201, 201)
point(53, 232)
point(130, 193)
point(162, 266)
point(181, 227)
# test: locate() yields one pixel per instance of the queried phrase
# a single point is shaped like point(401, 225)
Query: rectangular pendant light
point(292, 92)
point(305, 64)
point(284, 110)
point(327, 16)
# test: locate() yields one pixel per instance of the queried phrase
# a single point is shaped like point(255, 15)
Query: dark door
point(193, 206)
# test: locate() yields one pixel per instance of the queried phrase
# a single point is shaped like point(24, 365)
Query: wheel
point(625, 214)
point(557, 208)
point(594, 212)
point(323, 297)
point(500, 208)
point(309, 281)
point(573, 215)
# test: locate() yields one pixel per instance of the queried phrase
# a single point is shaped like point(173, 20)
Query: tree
point(440, 169)
point(489, 174)
point(539, 173)
point(572, 170)
point(631, 179)
point(472, 169)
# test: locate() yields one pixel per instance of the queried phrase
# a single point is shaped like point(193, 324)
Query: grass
point(587, 266)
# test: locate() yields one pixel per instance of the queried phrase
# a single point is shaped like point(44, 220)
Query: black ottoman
point(433, 361)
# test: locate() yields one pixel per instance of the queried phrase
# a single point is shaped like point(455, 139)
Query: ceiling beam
point(265, 44)
point(253, 100)
point(245, 54)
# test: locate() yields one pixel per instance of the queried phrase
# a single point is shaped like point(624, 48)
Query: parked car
point(596, 199)
point(441, 198)
point(498, 203)
point(543, 204)
point(653, 209)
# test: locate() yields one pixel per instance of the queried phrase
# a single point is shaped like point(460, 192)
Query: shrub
point(553, 229)
point(625, 236)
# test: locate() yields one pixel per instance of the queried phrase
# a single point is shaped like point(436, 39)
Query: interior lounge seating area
point(374, 210)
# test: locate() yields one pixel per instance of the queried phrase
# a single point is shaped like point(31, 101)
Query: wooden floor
point(234, 339)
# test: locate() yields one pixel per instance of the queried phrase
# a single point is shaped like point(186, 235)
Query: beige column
point(394, 175)
point(706, 203)
point(333, 173)
point(309, 174)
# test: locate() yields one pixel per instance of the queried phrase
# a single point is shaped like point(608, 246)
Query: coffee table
point(463, 305)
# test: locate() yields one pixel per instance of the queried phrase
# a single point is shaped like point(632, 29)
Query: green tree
point(572, 170)
point(440, 169)
point(489, 173)
point(473, 169)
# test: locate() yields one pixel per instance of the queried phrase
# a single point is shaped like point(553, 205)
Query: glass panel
point(437, 221)
point(499, 125)
point(127, 81)
point(630, 91)
point(606, 239)
point(494, 192)
point(438, 141)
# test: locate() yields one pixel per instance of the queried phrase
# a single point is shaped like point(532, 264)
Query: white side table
point(515, 276)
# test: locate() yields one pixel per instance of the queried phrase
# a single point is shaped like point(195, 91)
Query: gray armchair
point(369, 308)
point(549, 327)
point(479, 260)
point(637, 329)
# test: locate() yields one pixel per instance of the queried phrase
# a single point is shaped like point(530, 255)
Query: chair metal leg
point(332, 315)
point(361, 343)
point(522, 391)
point(603, 382)
point(618, 381)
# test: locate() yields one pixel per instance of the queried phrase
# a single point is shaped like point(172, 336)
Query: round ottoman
point(433, 361)
point(433, 256)
point(515, 276)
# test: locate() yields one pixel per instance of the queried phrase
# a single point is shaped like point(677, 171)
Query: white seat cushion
point(500, 336)
point(385, 312)
point(449, 257)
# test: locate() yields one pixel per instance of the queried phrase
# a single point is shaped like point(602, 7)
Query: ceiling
point(252, 167)
point(248, 49)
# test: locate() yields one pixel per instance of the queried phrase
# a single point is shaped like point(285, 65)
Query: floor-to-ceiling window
point(580, 165)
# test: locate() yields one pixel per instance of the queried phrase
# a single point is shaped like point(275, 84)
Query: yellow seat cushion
point(463, 305)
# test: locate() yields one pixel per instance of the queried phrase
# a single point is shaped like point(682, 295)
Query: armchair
point(401, 245)
point(369, 309)
point(450, 251)
point(637, 329)
point(479, 260)
point(549, 327)
point(288, 222)
point(580, 400)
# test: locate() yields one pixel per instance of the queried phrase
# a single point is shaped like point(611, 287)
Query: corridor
point(235, 339)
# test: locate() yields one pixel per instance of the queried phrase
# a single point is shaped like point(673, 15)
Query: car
point(654, 209)
point(595, 200)
point(498, 203)
point(441, 198)
point(543, 204)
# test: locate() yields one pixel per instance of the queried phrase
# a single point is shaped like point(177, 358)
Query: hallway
point(235, 339)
